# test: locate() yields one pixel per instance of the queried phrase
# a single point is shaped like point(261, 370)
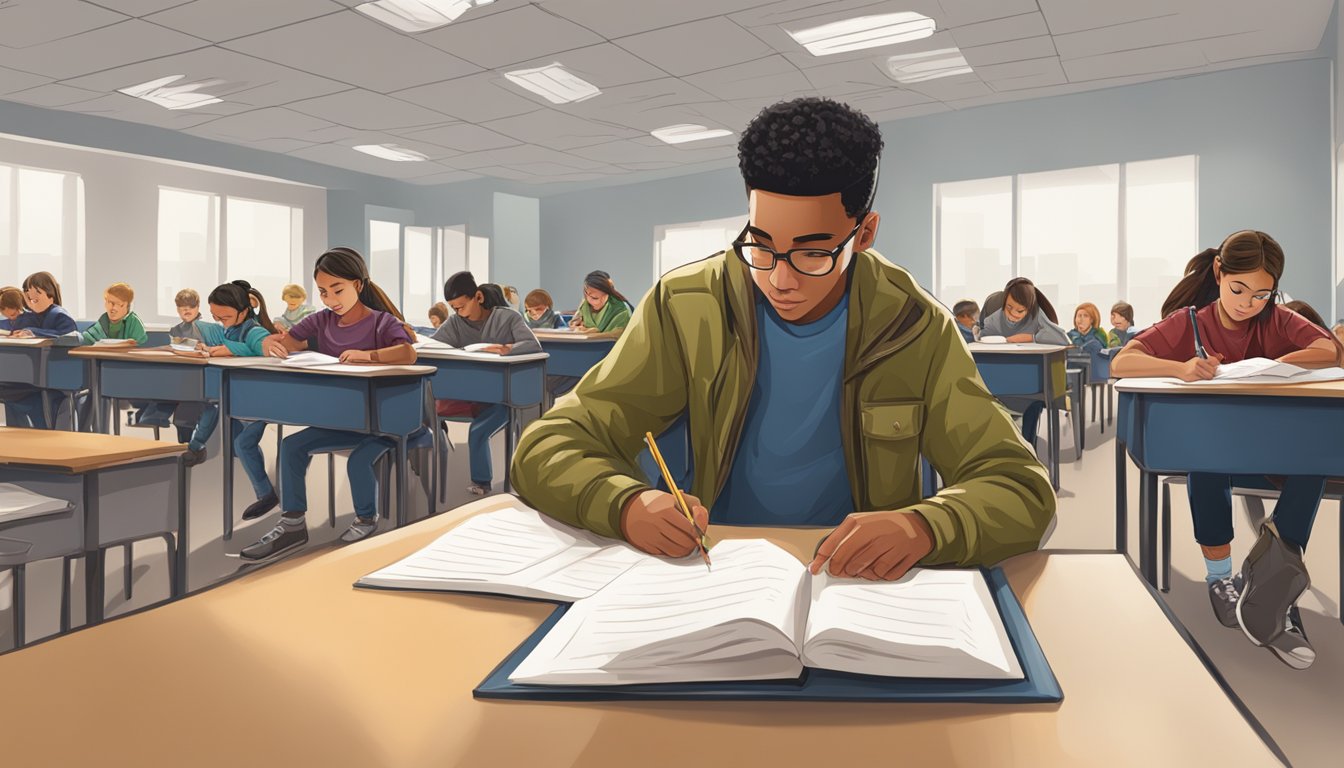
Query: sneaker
point(1223, 593)
point(1275, 577)
point(261, 506)
point(193, 458)
point(360, 529)
point(478, 489)
point(1292, 646)
point(281, 538)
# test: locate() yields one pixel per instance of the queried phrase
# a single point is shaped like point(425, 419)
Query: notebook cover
point(1038, 685)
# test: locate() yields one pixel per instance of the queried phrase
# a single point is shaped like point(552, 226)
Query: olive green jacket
point(910, 387)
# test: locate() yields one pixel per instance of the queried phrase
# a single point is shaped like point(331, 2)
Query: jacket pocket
point(891, 449)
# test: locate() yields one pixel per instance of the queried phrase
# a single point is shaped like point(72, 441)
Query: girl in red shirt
point(1230, 291)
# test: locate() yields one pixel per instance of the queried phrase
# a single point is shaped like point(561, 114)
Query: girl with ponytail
point(598, 313)
point(360, 325)
point(1026, 316)
point(1228, 293)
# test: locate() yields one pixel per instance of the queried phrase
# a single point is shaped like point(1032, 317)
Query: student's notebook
point(758, 614)
point(1259, 370)
point(514, 551)
point(309, 360)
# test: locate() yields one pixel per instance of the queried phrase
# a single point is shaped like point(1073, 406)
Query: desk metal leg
point(70, 403)
point(46, 409)
point(1147, 526)
point(65, 594)
point(403, 479)
point(1080, 417)
point(128, 555)
point(508, 448)
point(94, 564)
point(180, 583)
point(1053, 420)
point(95, 399)
point(226, 453)
point(1165, 512)
point(1121, 498)
point(18, 588)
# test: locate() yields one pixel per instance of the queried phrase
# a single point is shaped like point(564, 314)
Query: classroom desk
point(120, 487)
point(157, 334)
point(283, 635)
point(1030, 371)
point(390, 401)
point(45, 364)
point(515, 381)
point(573, 354)
point(146, 373)
point(1175, 429)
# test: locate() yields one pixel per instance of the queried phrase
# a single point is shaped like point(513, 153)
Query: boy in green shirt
point(118, 321)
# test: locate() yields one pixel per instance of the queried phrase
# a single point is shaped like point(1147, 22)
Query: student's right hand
point(1021, 338)
point(652, 522)
point(273, 346)
point(1200, 368)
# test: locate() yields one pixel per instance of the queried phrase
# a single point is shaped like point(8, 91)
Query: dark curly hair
point(812, 146)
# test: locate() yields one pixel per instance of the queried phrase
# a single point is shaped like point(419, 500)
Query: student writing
point(598, 313)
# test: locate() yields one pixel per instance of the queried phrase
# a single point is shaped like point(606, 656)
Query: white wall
point(121, 205)
point(515, 252)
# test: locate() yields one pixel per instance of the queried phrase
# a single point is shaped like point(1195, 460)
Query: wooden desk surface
point(1015, 349)
point(1316, 389)
point(293, 666)
point(571, 336)
point(77, 451)
point(368, 372)
point(138, 354)
point(9, 341)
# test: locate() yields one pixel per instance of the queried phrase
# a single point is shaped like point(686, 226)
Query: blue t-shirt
point(790, 463)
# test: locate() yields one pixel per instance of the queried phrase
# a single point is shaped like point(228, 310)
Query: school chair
point(1334, 491)
point(47, 527)
point(442, 464)
point(420, 443)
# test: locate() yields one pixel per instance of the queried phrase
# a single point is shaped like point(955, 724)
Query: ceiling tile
point(765, 77)
point(1014, 50)
point(13, 81)
point(447, 177)
point(53, 95)
point(122, 107)
point(885, 99)
point(270, 123)
point(520, 154)
point(353, 49)
point(137, 7)
point(502, 172)
point(696, 47)
point(1030, 69)
point(102, 48)
point(35, 22)
point(1140, 62)
point(218, 21)
point(1067, 16)
point(935, 42)
point(902, 113)
point(605, 65)
point(649, 150)
point(618, 19)
point(557, 130)
point(368, 111)
point(475, 98)
point(530, 33)
point(639, 104)
point(773, 27)
point(1000, 30)
point(249, 82)
point(957, 13)
point(801, 14)
point(463, 137)
point(345, 157)
point(950, 88)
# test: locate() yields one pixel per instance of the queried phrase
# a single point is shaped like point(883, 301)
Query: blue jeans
point(155, 412)
point(1031, 419)
point(26, 411)
point(297, 450)
point(246, 446)
point(1211, 506)
point(489, 421)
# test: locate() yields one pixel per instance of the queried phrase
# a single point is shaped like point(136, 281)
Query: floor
point(1298, 709)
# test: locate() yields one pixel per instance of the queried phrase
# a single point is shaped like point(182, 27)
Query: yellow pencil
point(676, 493)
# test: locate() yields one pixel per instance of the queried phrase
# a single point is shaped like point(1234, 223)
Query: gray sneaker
point(1223, 594)
point(1292, 646)
point(360, 529)
point(280, 539)
point(1275, 577)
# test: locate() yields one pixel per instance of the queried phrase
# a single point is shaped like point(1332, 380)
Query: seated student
point(1087, 333)
point(438, 314)
point(44, 318)
point(965, 312)
point(184, 415)
point(1304, 309)
point(1229, 292)
point(1338, 330)
point(1026, 316)
point(11, 306)
point(480, 318)
point(789, 424)
point(597, 312)
point(511, 298)
point(539, 311)
point(360, 325)
point(1122, 325)
point(240, 333)
point(296, 308)
point(117, 322)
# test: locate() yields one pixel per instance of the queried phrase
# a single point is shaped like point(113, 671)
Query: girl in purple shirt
point(359, 325)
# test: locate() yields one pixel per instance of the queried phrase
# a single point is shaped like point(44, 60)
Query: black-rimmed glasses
point(813, 262)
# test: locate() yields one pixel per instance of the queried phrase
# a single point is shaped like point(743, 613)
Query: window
point(452, 253)
point(974, 233)
point(261, 243)
point(1096, 234)
point(675, 245)
point(42, 229)
point(206, 239)
point(478, 257)
point(385, 257)
point(418, 277)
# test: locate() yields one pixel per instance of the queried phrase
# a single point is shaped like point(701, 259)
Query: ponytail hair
point(347, 264)
point(601, 281)
point(236, 295)
point(494, 296)
point(1242, 252)
point(1026, 293)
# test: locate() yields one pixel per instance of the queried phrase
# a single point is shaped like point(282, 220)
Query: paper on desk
point(22, 341)
point(309, 359)
point(429, 342)
point(113, 342)
point(993, 339)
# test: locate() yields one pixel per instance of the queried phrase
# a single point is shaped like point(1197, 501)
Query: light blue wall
point(1263, 136)
point(515, 252)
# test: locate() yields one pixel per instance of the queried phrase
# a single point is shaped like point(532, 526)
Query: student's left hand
point(498, 349)
point(879, 546)
point(219, 351)
point(355, 356)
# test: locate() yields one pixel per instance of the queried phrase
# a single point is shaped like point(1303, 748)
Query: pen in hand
point(702, 540)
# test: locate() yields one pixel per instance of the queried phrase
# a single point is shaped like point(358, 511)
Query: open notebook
point(1260, 370)
point(430, 344)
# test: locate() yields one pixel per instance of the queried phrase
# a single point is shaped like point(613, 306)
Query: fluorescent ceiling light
point(864, 32)
point(929, 65)
point(417, 15)
point(553, 83)
point(173, 96)
point(392, 152)
point(680, 134)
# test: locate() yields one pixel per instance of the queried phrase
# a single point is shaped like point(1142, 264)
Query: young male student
point(966, 311)
point(814, 373)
